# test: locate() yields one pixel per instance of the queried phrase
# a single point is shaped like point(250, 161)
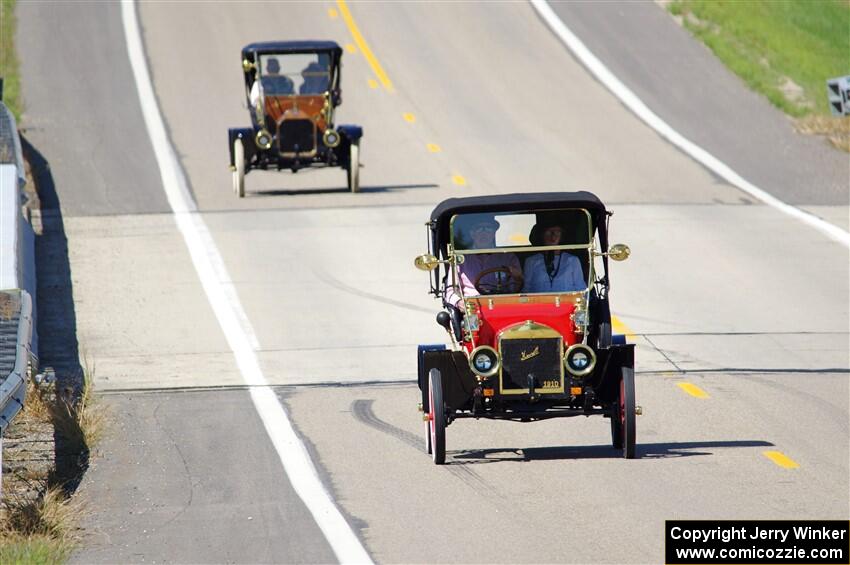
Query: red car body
point(519, 354)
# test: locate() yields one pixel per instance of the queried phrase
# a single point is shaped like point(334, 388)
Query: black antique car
point(293, 89)
point(523, 283)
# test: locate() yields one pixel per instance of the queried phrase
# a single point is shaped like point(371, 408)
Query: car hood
point(501, 316)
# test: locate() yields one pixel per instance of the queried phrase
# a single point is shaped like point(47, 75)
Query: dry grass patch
point(36, 519)
point(48, 519)
point(835, 128)
point(79, 420)
point(38, 516)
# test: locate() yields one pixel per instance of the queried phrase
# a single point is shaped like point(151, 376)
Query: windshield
point(472, 232)
point(530, 252)
point(295, 73)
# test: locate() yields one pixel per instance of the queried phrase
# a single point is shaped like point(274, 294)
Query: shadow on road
point(343, 190)
point(643, 450)
point(57, 321)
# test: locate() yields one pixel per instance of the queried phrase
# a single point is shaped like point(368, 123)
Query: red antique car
point(523, 281)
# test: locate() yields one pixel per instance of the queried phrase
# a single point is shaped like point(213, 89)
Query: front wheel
point(239, 164)
point(436, 417)
point(627, 411)
point(354, 167)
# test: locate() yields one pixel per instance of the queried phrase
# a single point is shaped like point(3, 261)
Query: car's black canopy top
point(520, 202)
point(307, 46)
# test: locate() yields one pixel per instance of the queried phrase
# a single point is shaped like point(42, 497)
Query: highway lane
point(705, 263)
point(116, 285)
point(708, 267)
point(81, 110)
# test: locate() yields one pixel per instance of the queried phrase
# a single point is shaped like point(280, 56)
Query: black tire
point(239, 168)
point(627, 411)
point(437, 417)
point(354, 167)
point(616, 425)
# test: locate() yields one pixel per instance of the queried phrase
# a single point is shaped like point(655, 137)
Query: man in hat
point(480, 231)
point(316, 77)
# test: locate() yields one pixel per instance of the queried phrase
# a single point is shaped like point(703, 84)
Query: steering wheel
point(506, 282)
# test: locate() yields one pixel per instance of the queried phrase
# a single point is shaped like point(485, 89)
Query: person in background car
point(270, 82)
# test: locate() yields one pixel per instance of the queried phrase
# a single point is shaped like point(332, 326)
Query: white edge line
point(231, 316)
point(633, 103)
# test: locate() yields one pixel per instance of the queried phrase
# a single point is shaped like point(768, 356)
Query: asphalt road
point(723, 293)
point(82, 111)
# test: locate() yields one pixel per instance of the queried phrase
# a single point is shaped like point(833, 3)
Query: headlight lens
point(331, 138)
point(484, 361)
point(579, 360)
point(263, 139)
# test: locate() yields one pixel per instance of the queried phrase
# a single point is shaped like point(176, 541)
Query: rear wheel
point(436, 417)
point(239, 164)
point(354, 167)
point(627, 411)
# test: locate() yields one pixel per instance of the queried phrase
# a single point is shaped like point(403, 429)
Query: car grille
point(297, 136)
point(522, 357)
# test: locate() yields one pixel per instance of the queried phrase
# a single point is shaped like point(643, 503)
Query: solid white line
point(632, 102)
point(231, 316)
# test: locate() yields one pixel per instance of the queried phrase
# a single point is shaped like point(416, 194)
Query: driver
point(482, 232)
point(271, 82)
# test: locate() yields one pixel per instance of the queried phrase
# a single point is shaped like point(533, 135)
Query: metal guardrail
point(17, 276)
point(17, 306)
point(10, 143)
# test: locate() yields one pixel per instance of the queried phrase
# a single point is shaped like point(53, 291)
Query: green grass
point(767, 43)
point(32, 550)
point(9, 59)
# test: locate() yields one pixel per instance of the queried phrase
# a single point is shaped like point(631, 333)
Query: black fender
point(421, 373)
point(458, 381)
point(350, 132)
point(609, 363)
point(247, 136)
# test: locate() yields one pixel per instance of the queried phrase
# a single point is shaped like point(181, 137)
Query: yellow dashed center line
point(332, 13)
point(372, 83)
point(408, 117)
point(458, 180)
point(364, 47)
point(781, 459)
point(433, 148)
point(350, 48)
point(693, 390)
